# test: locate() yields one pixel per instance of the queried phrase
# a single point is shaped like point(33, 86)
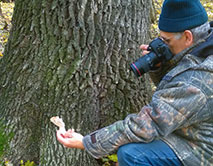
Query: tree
point(70, 58)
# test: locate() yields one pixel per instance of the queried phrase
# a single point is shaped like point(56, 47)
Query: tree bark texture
point(70, 58)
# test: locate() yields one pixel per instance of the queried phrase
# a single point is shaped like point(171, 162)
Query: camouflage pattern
point(180, 113)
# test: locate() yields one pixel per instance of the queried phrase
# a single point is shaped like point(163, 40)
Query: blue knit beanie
point(180, 15)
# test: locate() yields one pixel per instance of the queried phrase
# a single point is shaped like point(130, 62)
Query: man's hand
point(144, 48)
point(70, 139)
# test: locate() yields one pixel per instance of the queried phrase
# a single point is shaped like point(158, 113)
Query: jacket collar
point(202, 48)
point(206, 48)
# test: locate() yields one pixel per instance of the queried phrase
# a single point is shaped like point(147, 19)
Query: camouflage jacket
point(180, 113)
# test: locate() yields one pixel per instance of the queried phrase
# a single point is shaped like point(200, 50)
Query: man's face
point(176, 44)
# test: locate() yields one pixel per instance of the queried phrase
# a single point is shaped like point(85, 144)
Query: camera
point(159, 53)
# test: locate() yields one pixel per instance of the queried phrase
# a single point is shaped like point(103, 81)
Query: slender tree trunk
point(70, 58)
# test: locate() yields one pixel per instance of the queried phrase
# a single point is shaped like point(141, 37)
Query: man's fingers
point(68, 134)
point(71, 130)
point(71, 139)
point(62, 139)
point(60, 136)
point(144, 47)
point(145, 52)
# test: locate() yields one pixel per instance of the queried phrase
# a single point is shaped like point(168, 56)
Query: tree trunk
point(70, 58)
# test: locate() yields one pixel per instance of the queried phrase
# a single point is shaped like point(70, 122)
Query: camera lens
point(159, 52)
point(143, 64)
point(135, 70)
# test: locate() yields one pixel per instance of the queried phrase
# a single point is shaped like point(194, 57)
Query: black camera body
point(159, 53)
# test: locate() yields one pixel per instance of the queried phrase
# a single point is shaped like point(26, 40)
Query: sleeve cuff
point(92, 146)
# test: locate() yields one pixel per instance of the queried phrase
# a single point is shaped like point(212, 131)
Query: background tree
point(70, 58)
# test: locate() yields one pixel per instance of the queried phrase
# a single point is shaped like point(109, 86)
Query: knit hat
point(180, 15)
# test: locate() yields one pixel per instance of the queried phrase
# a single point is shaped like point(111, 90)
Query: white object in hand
point(58, 122)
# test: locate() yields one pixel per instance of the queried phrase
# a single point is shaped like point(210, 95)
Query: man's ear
point(188, 38)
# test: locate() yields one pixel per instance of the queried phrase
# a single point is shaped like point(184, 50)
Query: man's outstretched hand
point(70, 139)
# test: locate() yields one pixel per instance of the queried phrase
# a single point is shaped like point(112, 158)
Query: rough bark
point(70, 58)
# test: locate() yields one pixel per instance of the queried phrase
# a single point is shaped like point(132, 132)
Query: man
point(176, 128)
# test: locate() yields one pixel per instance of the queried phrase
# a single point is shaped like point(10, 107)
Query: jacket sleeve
point(171, 108)
point(157, 74)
